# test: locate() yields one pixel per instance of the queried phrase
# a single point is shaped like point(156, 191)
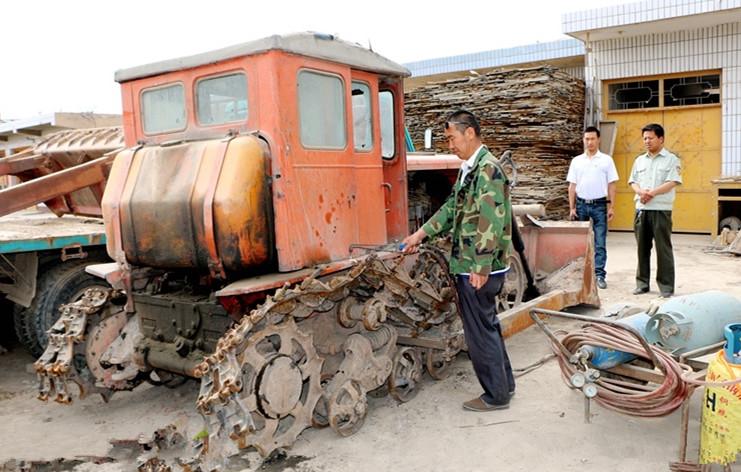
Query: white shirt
point(468, 164)
point(591, 175)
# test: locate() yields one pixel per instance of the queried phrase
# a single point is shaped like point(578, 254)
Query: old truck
point(44, 250)
point(253, 220)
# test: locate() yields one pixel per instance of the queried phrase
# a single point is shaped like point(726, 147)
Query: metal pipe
point(163, 356)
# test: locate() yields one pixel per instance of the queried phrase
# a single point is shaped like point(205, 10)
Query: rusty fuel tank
point(202, 205)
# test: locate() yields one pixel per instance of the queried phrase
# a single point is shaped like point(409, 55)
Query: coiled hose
point(619, 395)
point(632, 398)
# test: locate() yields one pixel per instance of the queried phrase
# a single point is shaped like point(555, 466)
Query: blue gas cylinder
point(606, 358)
point(733, 343)
point(692, 321)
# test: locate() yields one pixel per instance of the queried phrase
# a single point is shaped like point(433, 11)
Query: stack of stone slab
point(537, 113)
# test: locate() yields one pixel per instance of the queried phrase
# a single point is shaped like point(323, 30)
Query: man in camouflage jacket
point(478, 215)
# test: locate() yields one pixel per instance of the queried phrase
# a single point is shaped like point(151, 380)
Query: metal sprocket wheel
point(101, 332)
point(281, 373)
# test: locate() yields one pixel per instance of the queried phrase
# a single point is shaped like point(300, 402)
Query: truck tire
point(64, 283)
point(23, 327)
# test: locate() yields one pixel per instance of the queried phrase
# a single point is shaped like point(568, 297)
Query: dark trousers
point(484, 338)
point(654, 226)
point(597, 213)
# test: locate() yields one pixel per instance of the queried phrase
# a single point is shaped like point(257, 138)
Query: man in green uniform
point(653, 178)
point(478, 215)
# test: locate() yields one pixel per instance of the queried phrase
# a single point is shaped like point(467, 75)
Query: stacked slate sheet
point(537, 113)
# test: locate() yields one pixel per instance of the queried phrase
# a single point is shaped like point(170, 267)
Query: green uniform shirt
point(650, 172)
point(478, 213)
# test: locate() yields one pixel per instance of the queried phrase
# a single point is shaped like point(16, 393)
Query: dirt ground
point(543, 430)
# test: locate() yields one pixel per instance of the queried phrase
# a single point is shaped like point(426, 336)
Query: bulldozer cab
point(329, 115)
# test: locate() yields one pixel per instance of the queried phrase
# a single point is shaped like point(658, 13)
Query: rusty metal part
point(216, 268)
point(259, 396)
point(87, 141)
point(67, 170)
point(101, 336)
point(372, 313)
point(513, 289)
point(438, 366)
point(55, 185)
point(265, 390)
point(154, 464)
point(77, 342)
point(406, 374)
point(161, 355)
point(348, 406)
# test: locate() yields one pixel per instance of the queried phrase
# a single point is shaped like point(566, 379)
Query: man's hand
point(610, 213)
point(645, 195)
point(572, 214)
point(477, 280)
point(411, 243)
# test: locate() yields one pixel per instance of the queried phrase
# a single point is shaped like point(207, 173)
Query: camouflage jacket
point(478, 214)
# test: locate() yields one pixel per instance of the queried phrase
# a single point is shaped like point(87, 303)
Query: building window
point(362, 117)
point(388, 138)
point(633, 95)
point(321, 110)
point(163, 109)
point(222, 99)
point(697, 90)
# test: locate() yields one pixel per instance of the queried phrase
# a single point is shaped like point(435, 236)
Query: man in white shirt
point(592, 176)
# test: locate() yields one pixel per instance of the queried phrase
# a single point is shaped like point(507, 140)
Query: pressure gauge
point(589, 390)
point(578, 380)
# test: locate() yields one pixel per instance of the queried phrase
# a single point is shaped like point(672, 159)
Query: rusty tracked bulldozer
point(252, 221)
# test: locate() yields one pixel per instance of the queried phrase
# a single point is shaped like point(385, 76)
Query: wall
point(708, 48)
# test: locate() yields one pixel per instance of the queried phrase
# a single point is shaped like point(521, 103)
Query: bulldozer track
point(305, 357)
point(237, 399)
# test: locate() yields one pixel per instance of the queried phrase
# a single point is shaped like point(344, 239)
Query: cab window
point(222, 99)
point(388, 140)
point(321, 110)
point(362, 117)
point(163, 109)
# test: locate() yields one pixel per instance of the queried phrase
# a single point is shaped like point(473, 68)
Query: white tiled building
point(677, 63)
point(666, 37)
point(673, 62)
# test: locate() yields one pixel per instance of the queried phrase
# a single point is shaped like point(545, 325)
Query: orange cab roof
point(316, 45)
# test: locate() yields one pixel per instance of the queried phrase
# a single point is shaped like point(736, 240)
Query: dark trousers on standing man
point(484, 338)
point(596, 211)
point(654, 226)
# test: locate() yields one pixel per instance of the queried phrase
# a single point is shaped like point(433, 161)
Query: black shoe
point(601, 283)
point(666, 294)
point(640, 291)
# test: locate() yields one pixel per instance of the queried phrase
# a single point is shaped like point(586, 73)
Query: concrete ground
point(543, 430)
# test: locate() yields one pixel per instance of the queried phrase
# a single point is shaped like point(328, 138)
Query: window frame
point(142, 108)
point(393, 125)
point(692, 76)
point(344, 106)
point(198, 80)
point(605, 99)
point(370, 107)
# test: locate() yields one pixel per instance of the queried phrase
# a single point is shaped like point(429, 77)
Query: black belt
point(593, 202)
